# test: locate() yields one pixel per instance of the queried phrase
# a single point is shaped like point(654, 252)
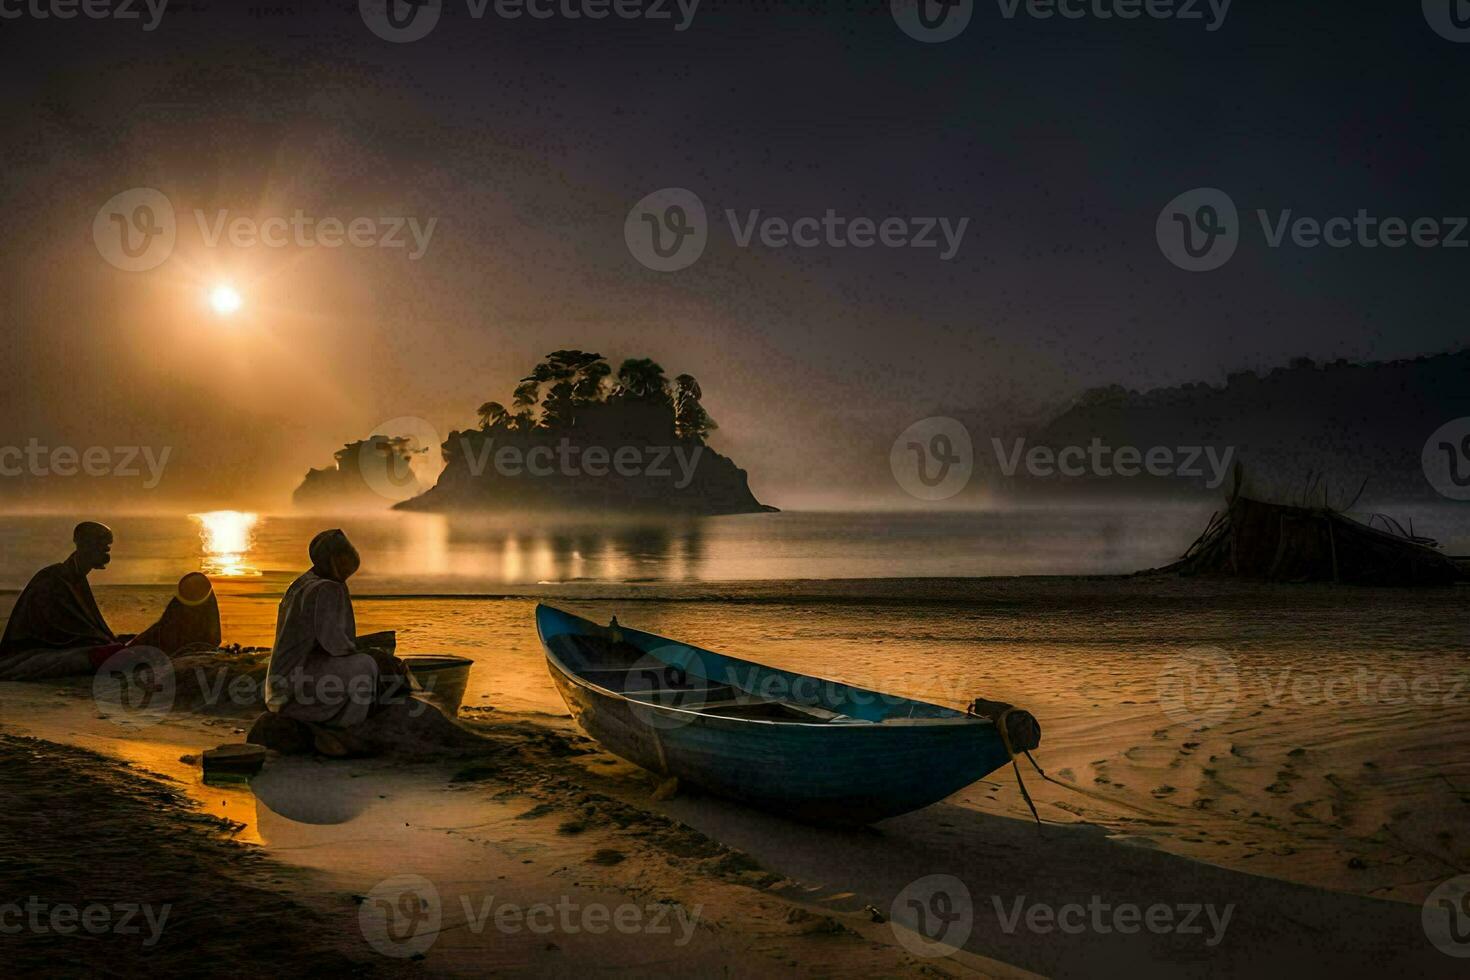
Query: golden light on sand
point(224, 299)
point(227, 537)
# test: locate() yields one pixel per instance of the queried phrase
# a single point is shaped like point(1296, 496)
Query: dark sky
point(529, 141)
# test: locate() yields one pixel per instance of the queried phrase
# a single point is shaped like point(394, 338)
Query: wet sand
point(1320, 806)
point(167, 892)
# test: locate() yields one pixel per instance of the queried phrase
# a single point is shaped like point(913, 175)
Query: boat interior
point(627, 669)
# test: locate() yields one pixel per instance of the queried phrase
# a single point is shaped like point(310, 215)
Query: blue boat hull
point(906, 755)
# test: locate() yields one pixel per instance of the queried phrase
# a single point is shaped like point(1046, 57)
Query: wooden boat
point(795, 744)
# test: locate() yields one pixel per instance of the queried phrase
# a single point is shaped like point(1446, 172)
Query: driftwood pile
point(1314, 543)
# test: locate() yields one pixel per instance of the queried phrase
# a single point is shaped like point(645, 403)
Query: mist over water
point(428, 553)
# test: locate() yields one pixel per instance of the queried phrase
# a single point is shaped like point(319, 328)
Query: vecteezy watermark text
point(94, 919)
point(668, 230)
point(137, 230)
point(91, 9)
point(1101, 460)
point(1204, 686)
point(569, 459)
point(403, 915)
point(1200, 230)
point(932, 21)
point(934, 458)
point(34, 459)
point(402, 21)
point(1102, 917)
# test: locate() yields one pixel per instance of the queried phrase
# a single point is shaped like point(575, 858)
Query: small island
point(362, 474)
point(579, 437)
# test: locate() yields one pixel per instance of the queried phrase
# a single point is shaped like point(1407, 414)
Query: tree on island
point(641, 401)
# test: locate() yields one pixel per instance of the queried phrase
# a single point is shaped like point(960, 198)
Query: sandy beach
point(1296, 800)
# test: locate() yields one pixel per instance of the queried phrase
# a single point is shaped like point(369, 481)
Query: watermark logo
point(399, 457)
point(135, 230)
point(671, 676)
point(667, 230)
point(1199, 687)
point(135, 686)
point(1446, 917)
point(932, 21)
point(1449, 18)
point(933, 459)
point(401, 916)
point(1199, 230)
point(1446, 459)
point(933, 916)
point(400, 21)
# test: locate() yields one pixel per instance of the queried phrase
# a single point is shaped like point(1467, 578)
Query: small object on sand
point(441, 679)
point(233, 762)
point(874, 914)
point(285, 735)
point(667, 789)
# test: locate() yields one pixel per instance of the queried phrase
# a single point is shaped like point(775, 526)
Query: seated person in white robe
point(321, 672)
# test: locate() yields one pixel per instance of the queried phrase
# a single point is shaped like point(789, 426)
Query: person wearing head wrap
point(189, 622)
point(321, 672)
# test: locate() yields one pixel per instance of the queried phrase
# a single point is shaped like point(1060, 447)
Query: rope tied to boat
point(1028, 735)
point(1000, 714)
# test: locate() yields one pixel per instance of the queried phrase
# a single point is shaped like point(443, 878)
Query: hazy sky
point(527, 142)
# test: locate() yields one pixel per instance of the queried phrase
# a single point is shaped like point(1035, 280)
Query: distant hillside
point(1347, 421)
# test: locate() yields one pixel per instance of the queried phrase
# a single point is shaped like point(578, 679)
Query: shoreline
point(117, 873)
point(487, 843)
point(1302, 816)
point(547, 817)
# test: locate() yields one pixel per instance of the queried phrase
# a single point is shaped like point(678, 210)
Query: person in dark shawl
point(55, 628)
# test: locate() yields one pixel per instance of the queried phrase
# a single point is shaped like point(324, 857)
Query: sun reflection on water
point(227, 537)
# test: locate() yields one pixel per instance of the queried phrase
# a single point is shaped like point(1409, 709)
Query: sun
point(224, 299)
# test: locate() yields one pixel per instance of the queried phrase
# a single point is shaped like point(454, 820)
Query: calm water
point(423, 553)
point(431, 553)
